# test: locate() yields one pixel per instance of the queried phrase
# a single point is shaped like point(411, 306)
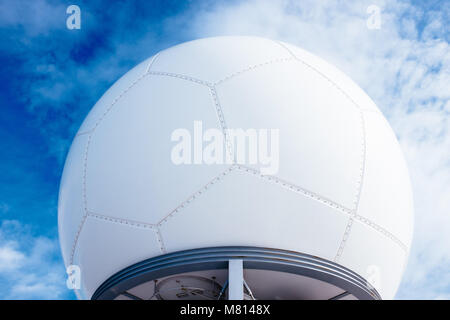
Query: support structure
point(235, 279)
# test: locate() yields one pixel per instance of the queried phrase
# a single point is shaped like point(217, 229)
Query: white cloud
point(30, 267)
point(404, 69)
point(10, 258)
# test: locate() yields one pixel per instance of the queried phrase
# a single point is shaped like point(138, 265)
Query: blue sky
point(52, 76)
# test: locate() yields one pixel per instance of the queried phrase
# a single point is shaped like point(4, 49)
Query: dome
point(332, 182)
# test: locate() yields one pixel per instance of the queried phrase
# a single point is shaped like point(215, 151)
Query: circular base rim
point(253, 258)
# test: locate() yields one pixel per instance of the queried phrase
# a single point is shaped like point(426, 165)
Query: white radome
point(342, 191)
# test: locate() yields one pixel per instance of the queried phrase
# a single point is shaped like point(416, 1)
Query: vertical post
point(235, 279)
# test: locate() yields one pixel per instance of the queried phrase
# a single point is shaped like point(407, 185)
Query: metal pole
point(235, 279)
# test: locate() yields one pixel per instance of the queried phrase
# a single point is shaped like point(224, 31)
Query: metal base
point(271, 273)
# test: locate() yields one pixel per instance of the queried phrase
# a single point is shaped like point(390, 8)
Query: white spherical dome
point(341, 191)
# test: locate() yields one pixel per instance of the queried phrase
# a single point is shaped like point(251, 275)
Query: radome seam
point(321, 74)
point(83, 219)
point(358, 188)
point(276, 180)
point(212, 87)
point(155, 57)
point(148, 72)
point(380, 229)
point(222, 123)
point(228, 77)
point(196, 195)
point(291, 187)
point(129, 222)
point(83, 133)
point(180, 76)
point(74, 245)
point(322, 200)
point(91, 132)
point(348, 229)
point(188, 78)
point(362, 162)
point(295, 188)
point(160, 240)
point(97, 123)
point(117, 98)
point(252, 67)
point(362, 167)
